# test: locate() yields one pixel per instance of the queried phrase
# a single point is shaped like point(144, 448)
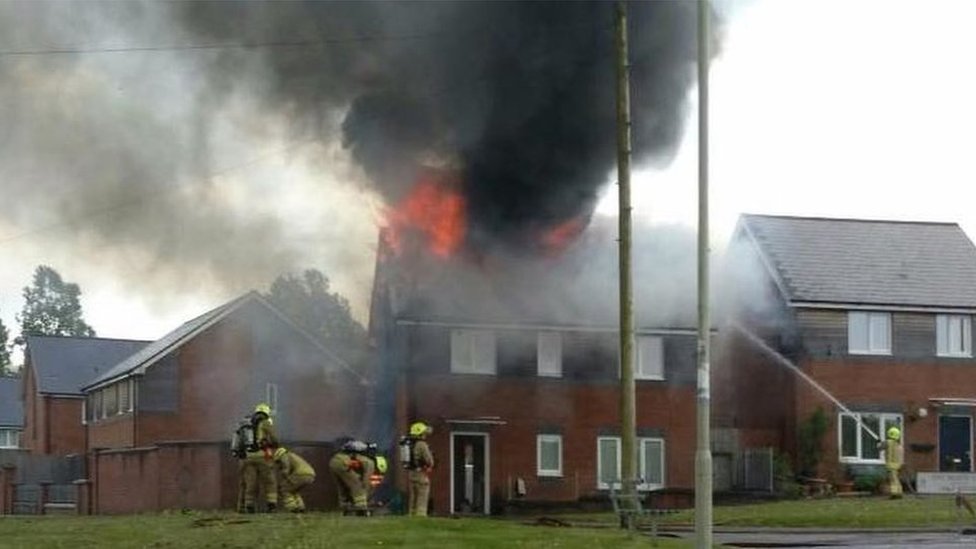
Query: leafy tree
point(4, 351)
point(307, 299)
point(51, 307)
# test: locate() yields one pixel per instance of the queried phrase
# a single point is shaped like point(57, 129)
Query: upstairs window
point(650, 358)
point(868, 333)
point(550, 354)
point(111, 400)
point(9, 438)
point(953, 335)
point(856, 443)
point(473, 352)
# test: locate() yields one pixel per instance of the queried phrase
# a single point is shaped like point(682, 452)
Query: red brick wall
point(34, 432)
point(529, 407)
point(868, 382)
point(188, 475)
point(65, 432)
point(113, 432)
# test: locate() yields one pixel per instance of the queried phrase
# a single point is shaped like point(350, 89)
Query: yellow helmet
point(263, 408)
point(381, 464)
point(894, 433)
point(420, 428)
point(280, 453)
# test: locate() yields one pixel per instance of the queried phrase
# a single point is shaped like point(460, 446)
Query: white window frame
point(885, 420)
point(643, 461)
point(549, 364)
point(657, 347)
point(271, 396)
point(870, 320)
point(549, 439)
point(473, 352)
point(641, 473)
point(960, 325)
point(123, 389)
point(84, 410)
point(599, 461)
point(9, 438)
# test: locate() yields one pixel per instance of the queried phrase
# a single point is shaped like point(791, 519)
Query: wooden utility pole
point(628, 414)
point(703, 453)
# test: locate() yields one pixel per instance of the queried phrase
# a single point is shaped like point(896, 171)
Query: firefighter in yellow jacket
point(352, 468)
point(894, 454)
point(259, 460)
point(419, 468)
point(296, 474)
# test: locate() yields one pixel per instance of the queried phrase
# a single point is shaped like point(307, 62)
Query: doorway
point(955, 443)
point(469, 474)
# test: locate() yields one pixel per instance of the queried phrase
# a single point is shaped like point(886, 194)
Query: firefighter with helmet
point(894, 453)
point(256, 466)
point(296, 474)
point(419, 466)
point(352, 467)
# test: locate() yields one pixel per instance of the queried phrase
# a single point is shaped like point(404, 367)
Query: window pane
point(549, 450)
point(650, 357)
point(880, 332)
point(652, 461)
point(97, 395)
point(967, 336)
point(111, 400)
point(550, 354)
point(942, 334)
point(857, 332)
point(608, 461)
point(848, 436)
point(124, 396)
point(461, 360)
point(484, 353)
point(869, 445)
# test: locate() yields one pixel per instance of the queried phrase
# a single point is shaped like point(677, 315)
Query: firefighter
point(379, 473)
point(352, 468)
point(258, 461)
point(419, 468)
point(894, 454)
point(296, 474)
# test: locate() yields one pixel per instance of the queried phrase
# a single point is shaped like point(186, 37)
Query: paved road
point(863, 540)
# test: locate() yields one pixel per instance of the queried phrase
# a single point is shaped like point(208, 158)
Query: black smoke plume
point(517, 96)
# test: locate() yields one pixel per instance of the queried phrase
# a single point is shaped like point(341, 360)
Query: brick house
point(159, 420)
point(877, 312)
point(522, 393)
point(11, 412)
point(55, 369)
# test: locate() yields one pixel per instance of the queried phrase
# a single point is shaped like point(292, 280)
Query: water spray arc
point(783, 361)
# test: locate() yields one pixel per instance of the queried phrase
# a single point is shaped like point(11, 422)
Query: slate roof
point(148, 355)
point(11, 402)
point(64, 364)
point(857, 261)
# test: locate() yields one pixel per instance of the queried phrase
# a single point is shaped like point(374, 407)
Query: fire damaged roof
point(147, 356)
point(865, 262)
point(11, 402)
point(577, 287)
point(62, 365)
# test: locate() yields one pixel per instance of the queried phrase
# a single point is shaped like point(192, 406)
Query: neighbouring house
point(11, 412)
point(159, 421)
point(514, 362)
point(55, 369)
point(879, 313)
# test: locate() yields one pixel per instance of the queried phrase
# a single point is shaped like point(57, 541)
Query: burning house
point(878, 315)
point(513, 358)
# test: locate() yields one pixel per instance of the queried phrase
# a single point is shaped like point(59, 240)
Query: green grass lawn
point(862, 512)
point(299, 531)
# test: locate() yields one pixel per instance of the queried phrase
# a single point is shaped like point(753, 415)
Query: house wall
point(824, 335)
point(34, 432)
point(65, 432)
point(115, 432)
point(582, 405)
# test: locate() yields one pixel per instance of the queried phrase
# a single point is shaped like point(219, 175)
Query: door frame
point(938, 445)
point(487, 467)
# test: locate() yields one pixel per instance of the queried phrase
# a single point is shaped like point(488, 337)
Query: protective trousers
point(258, 474)
point(290, 487)
point(349, 483)
point(419, 493)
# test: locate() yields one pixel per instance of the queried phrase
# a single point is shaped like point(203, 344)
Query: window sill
point(640, 378)
point(467, 373)
point(954, 356)
point(859, 461)
point(869, 353)
point(549, 475)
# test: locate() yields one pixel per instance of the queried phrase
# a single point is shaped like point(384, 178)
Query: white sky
point(825, 108)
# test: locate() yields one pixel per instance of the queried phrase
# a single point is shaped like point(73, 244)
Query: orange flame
point(559, 237)
point(433, 209)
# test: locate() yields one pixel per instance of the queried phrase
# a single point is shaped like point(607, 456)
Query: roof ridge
point(853, 219)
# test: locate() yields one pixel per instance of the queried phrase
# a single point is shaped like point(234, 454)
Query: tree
point(308, 301)
point(51, 307)
point(4, 351)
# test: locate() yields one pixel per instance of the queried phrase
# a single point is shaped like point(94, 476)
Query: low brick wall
point(188, 475)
